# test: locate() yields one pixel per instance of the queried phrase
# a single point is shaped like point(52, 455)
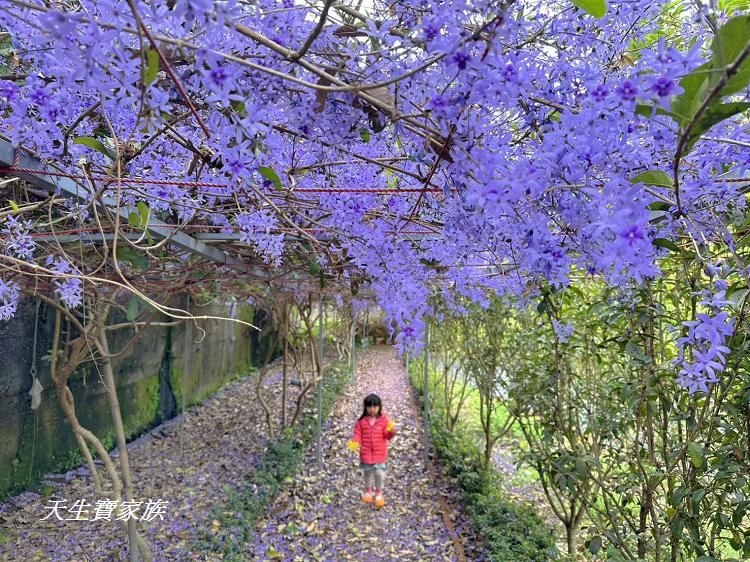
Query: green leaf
point(648, 110)
point(653, 177)
point(145, 213)
point(13, 205)
point(696, 498)
point(364, 134)
point(596, 8)
point(239, 107)
point(636, 353)
point(694, 85)
point(664, 243)
point(134, 219)
point(660, 206)
point(129, 256)
point(6, 44)
point(96, 144)
point(271, 175)
point(731, 6)
point(696, 453)
point(737, 298)
point(152, 67)
point(730, 41)
point(716, 113)
point(596, 544)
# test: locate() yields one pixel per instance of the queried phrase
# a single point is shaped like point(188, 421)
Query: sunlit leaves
point(731, 48)
point(596, 8)
point(654, 177)
point(140, 218)
point(96, 144)
point(730, 51)
point(152, 67)
point(271, 175)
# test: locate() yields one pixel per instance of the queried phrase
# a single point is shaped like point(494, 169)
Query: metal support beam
point(70, 188)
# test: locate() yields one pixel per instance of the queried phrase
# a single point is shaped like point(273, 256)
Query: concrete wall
point(150, 377)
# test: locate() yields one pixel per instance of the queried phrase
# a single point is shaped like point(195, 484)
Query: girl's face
point(372, 410)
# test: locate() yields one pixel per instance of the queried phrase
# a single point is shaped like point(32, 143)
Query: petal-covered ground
point(192, 465)
point(321, 516)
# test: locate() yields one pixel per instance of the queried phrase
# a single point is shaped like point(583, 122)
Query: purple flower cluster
point(17, 240)
point(530, 150)
point(703, 352)
point(70, 289)
point(8, 299)
point(563, 332)
point(256, 229)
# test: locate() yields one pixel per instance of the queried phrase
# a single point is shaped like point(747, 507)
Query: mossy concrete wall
point(150, 384)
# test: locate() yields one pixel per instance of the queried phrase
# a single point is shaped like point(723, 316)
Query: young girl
point(372, 432)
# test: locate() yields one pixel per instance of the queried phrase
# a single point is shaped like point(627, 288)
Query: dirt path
point(321, 517)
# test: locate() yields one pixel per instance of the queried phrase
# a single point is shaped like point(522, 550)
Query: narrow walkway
point(320, 516)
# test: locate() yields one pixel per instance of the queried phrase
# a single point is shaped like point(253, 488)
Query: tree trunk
point(571, 534)
point(122, 448)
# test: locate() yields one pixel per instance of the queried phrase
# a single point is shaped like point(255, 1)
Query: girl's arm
point(356, 439)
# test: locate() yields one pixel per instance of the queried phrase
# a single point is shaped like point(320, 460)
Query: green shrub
point(511, 531)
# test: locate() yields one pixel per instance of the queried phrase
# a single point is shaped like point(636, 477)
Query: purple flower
point(562, 331)
point(663, 87)
point(39, 96)
point(256, 230)
point(706, 338)
point(59, 24)
point(600, 93)
point(17, 241)
point(461, 59)
point(509, 73)
point(219, 75)
point(70, 289)
point(627, 90)
point(632, 234)
point(8, 90)
point(431, 30)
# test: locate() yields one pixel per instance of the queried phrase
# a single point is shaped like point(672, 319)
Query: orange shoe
point(367, 496)
point(379, 499)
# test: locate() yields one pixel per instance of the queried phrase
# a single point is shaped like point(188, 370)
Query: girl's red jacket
point(373, 439)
